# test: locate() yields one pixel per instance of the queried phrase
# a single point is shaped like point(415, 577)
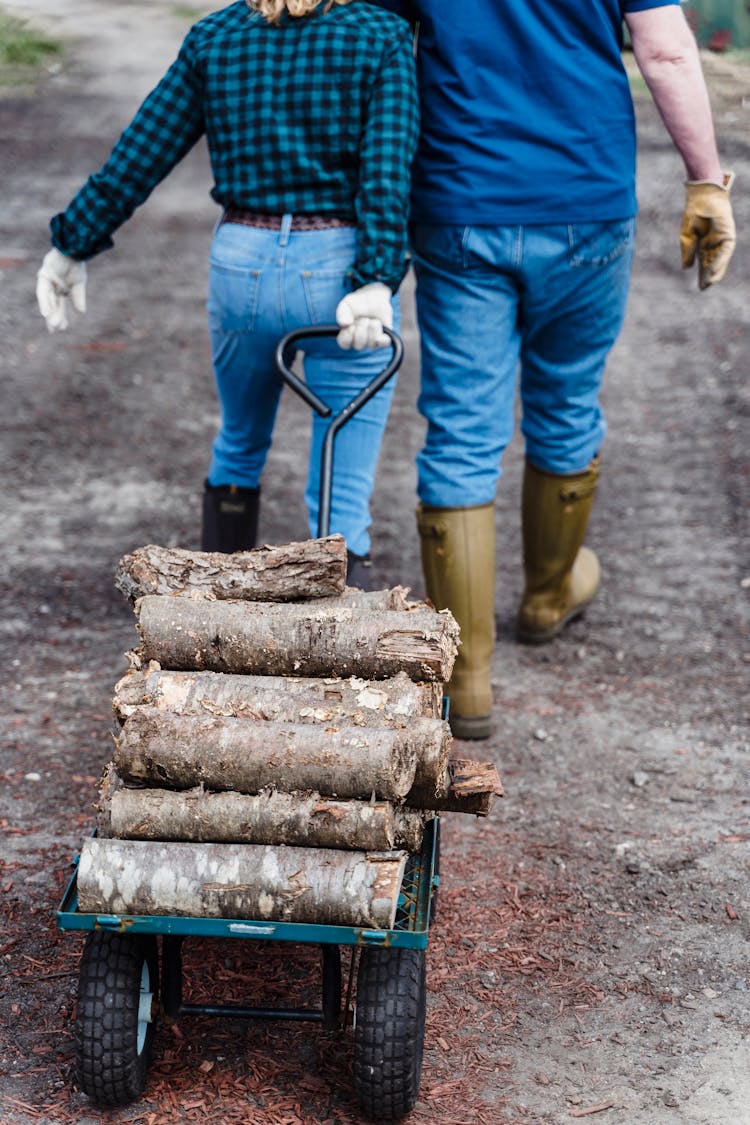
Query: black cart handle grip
point(284, 349)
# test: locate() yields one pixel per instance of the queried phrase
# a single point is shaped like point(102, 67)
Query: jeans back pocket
point(323, 289)
point(232, 298)
point(596, 244)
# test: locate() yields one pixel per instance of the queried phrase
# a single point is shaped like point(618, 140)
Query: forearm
point(165, 128)
point(386, 153)
point(668, 58)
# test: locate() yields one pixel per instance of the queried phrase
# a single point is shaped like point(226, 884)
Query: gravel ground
point(590, 956)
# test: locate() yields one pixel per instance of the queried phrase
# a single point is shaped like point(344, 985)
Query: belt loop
point(286, 226)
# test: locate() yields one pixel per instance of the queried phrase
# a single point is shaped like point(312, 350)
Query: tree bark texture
point(283, 698)
point(253, 881)
point(313, 568)
point(473, 787)
point(210, 693)
point(410, 826)
point(294, 639)
point(296, 819)
point(370, 601)
point(182, 751)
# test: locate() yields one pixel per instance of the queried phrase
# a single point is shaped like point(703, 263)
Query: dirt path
point(591, 949)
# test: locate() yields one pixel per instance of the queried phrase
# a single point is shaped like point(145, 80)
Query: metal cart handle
point(284, 350)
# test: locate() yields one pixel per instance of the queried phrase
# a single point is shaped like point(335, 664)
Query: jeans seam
point(465, 247)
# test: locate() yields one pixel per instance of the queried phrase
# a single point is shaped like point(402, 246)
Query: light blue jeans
point(262, 284)
point(546, 300)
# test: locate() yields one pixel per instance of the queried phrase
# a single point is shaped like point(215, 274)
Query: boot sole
point(541, 637)
point(470, 727)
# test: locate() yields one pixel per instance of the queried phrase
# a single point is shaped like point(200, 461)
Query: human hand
point(59, 278)
point(361, 316)
point(708, 228)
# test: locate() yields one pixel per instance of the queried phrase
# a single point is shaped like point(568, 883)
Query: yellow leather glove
point(708, 228)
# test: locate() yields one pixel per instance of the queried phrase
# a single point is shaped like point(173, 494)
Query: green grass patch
point(189, 12)
point(21, 45)
point(24, 51)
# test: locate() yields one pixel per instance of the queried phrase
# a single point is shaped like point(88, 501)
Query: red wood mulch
point(495, 939)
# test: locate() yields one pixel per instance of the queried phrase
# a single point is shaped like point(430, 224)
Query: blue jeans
point(262, 284)
point(550, 299)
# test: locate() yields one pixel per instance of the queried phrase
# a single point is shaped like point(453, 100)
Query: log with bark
point(473, 787)
point(295, 639)
point(202, 693)
point(313, 568)
point(370, 601)
point(297, 819)
point(252, 881)
point(182, 751)
point(284, 698)
point(410, 825)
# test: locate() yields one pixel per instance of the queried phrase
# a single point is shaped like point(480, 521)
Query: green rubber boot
point(562, 576)
point(458, 561)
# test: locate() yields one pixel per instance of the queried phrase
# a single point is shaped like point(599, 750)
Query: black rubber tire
point(389, 1031)
point(111, 1063)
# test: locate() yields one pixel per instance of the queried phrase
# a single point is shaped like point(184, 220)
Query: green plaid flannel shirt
point(316, 115)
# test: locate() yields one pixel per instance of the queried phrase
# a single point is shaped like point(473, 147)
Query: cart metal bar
point(70, 918)
point(284, 352)
point(236, 1011)
point(174, 1007)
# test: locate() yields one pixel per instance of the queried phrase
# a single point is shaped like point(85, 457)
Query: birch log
point(314, 568)
point(182, 751)
point(297, 819)
point(294, 639)
point(210, 693)
point(284, 698)
point(252, 881)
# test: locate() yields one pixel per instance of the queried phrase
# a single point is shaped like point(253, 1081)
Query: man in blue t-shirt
point(523, 220)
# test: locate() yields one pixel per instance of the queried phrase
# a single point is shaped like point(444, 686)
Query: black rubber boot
point(359, 571)
point(230, 518)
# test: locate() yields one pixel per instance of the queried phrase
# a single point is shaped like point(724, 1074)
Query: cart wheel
point(389, 1031)
point(114, 1031)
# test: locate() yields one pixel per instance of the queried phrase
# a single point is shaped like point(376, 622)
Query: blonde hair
point(273, 10)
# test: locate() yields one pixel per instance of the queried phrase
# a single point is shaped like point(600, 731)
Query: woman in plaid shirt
point(309, 109)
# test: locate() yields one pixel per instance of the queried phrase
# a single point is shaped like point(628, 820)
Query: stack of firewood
point(280, 744)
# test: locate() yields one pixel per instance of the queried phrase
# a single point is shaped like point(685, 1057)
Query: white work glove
point(361, 317)
point(59, 278)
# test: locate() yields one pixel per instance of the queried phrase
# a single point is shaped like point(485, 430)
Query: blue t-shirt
point(526, 113)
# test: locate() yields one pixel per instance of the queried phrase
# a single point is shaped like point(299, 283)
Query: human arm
point(667, 56)
point(165, 128)
point(387, 148)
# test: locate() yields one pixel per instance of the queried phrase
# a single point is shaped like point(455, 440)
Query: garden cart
point(131, 966)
